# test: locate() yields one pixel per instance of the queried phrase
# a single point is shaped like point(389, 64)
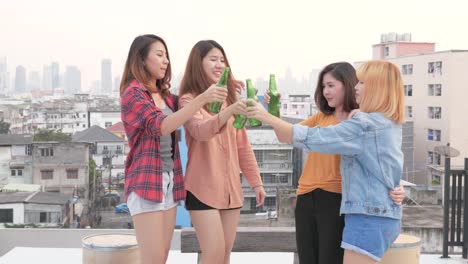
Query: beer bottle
point(274, 105)
point(215, 107)
point(252, 94)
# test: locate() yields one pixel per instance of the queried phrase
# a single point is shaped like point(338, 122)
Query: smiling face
point(157, 61)
point(333, 91)
point(213, 65)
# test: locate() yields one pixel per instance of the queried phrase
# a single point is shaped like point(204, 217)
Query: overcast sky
point(259, 36)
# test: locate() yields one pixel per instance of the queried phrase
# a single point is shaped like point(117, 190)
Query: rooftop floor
point(21, 255)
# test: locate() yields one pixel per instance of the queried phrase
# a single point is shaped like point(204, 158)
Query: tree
point(93, 172)
point(4, 127)
point(51, 135)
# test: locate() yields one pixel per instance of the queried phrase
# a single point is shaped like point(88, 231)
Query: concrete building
point(62, 167)
point(72, 82)
point(16, 159)
point(65, 114)
point(107, 150)
point(298, 106)
point(20, 79)
point(436, 88)
point(45, 209)
point(275, 162)
point(106, 76)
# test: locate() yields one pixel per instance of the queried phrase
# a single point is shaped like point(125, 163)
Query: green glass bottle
point(240, 120)
point(274, 105)
point(215, 107)
point(252, 94)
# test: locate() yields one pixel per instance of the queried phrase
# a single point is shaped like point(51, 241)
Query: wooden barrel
point(406, 249)
point(110, 249)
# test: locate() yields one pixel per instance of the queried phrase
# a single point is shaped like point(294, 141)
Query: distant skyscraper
point(106, 76)
point(4, 77)
point(117, 84)
point(72, 83)
point(4, 82)
point(34, 81)
point(55, 74)
point(20, 79)
point(46, 78)
point(3, 64)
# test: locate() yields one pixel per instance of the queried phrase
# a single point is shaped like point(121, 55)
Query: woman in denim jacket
point(371, 162)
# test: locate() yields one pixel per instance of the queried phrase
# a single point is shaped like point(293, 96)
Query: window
point(270, 202)
point(438, 67)
point(434, 112)
point(387, 51)
point(407, 69)
point(6, 215)
point(258, 155)
point(409, 111)
point(17, 172)
point(433, 134)
point(277, 155)
point(46, 152)
point(434, 89)
point(119, 150)
point(47, 174)
point(42, 217)
point(106, 161)
point(253, 204)
point(72, 173)
point(283, 178)
point(434, 67)
point(408, 90)
point(108, 124)
point(433, 158)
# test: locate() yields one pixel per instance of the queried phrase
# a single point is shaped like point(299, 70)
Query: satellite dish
point(447, 151)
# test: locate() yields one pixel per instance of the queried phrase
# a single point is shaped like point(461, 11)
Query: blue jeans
point(369, 235)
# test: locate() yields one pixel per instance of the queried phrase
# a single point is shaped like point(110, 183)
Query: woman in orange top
point(217, 152)
point(319, 226)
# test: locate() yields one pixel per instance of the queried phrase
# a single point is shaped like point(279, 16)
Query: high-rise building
point(106, 76)
point(34, 81)
point(435, 97)
point(46, 78)
point(20, 79)
point(4, 77)
point(3, 64)
point(55, 74)
point(72, 84)
point(117, 84)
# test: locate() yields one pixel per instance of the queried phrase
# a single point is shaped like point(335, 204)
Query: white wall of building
point(18, 211)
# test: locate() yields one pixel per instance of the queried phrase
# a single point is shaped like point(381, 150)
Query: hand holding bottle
point(266, 97)
point(214, 94)
point(238, 108)
point(256, 110)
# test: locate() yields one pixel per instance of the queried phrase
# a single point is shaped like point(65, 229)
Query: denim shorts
point(138, 205)
point(369, 235)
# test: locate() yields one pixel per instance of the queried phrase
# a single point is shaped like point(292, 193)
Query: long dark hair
point(135, 66)
point(195, 80)
point(346, 74)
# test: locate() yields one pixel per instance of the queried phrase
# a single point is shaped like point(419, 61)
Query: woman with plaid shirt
point(153, 174)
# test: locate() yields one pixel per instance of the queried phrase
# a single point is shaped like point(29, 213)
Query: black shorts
point(193, 204)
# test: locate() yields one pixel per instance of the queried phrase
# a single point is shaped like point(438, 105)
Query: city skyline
point(301, 35)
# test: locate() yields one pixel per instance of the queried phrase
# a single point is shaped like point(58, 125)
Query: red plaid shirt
point(142, 122)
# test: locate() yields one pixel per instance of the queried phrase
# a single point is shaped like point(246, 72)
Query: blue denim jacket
point(371, 161)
